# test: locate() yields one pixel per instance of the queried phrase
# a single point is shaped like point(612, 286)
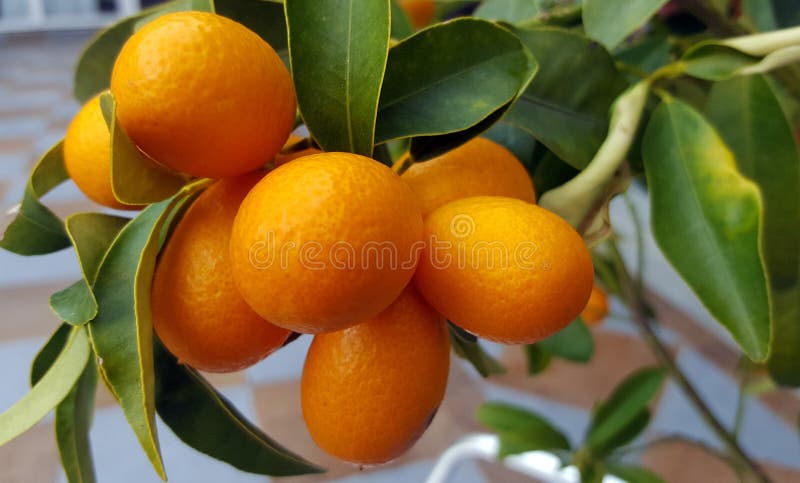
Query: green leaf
point(48, 391)
point(36, 230)
point(748, 115)
point(264, 17)
point(485, 69)
point(49, 352)
point(625, 434)
point(751, 54)
point(122, 331)
point(611, 21)
point(401, 25)
point(632, 474)
point(511, 11)
point(573, 343)
point(93, 71)
point(73, 422)
point(700, 200)
point(184, 397)
point(135, 178)
point(623, 407)
point(74, 413)
point(75, 304)
point(338, 51)
point(566, 107)
point(538, 358)
point(649, 54)
point(466, 346)
point(90, 234)
point(520, 430)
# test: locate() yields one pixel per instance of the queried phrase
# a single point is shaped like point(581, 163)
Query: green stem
point(748, 468)
point(740, 405)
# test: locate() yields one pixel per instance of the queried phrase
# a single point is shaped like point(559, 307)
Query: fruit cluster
point(338, 245)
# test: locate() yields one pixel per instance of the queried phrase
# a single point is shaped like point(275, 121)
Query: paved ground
point(35, 108)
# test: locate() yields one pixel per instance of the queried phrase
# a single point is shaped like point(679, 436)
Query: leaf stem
point(403, 163)
point(741, 399)
point(748, 469)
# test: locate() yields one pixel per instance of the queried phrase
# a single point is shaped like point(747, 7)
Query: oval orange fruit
point(198, 312)
point(325, 242)
point(504, 269)
point(370, 391)
point(480, 167)
point(597, 308)
point(87, 155)
point(203, 95)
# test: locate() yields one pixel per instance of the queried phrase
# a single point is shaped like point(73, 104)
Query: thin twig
point(743, 463)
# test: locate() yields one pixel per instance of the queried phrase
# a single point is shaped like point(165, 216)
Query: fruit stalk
point(748, 469)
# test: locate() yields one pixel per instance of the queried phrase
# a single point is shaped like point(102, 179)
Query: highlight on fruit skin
point(325, 242)
point(503, 269)
point(480, 167)
point(597, 308)
point(197, 310)
point(87, 155)
point(369, 392)
point(179, 103)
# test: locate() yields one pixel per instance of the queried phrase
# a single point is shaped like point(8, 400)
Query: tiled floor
point(35, 107)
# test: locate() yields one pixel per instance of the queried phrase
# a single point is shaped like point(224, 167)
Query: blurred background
point(40, 41)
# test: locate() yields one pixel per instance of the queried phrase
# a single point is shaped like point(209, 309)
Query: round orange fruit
point(480, 167)
point(419, 12)
point(198, 312)
point(597, 308)
point(369, 392)
point(203, 95)
point(325, 242)
point(504, 269)
point(87, 155)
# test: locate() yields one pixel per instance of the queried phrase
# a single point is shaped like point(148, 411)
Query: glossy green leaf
point(566, 107)
point(184, 397)
point(466, 346)
point(486, 69)
point(753, 54)
point(700, 200)
point(90, 234)
point(122, 331)
point(73, 422)
point(511, 11)
point(93, 71)
point(573, 343)
point(48, 391)
point(264, 17)
point(538, 359)
point(424, 148)
point(520, 430)
point(749, 117)
point(611, 21)
point(401, 25)
point(35, 230)
point(632, 474)
point(338, 51)
point(623, 407)
point(135, 178)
